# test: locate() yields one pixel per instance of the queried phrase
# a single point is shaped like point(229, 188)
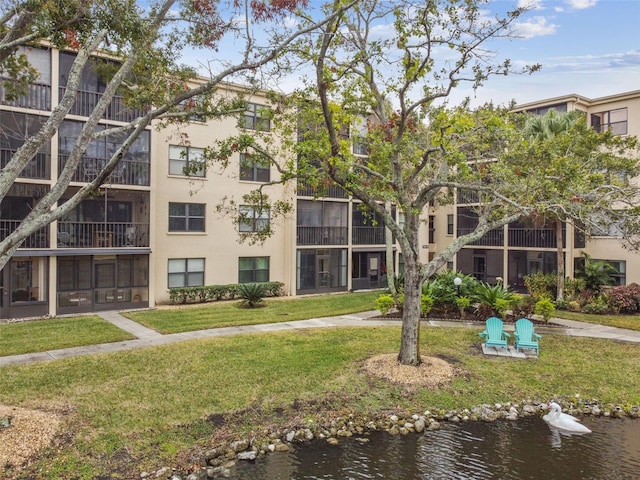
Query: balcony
point(39, 239)
point(534, 238)
point(320, 235)
point(102, 234)
point(493, 238)
point(330, 191)
point(38, 166)
point(84, 235)
point(37, 96)
point(368, 235)
point(117, 110)
point(127, 172)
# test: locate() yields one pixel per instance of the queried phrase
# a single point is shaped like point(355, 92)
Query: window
point(193, 106)
point(254, 168)
point(619, 277)
point(186, 217)
point(185, 272)
point(253, 219)
point(253, 269)
point(256, 117)
point(450, 224)
point(614, 120)
point(432, 229)
point(187, 161)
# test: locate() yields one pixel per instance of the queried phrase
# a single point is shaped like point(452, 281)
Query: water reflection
point(526, 449)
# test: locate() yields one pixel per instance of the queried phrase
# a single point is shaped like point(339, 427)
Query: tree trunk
point(560, 254)
point(391, 275)
point(410, 342)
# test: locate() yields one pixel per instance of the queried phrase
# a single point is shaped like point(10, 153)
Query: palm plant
point(595, 273)
point(498, 297)
point(252, 294)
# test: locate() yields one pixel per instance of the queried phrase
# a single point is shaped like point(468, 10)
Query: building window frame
point(253, 269)
point(253, 220)
point(186, 217)
point(187, 161)
point(257, 117)
point(185, 272)
point(450, 228)
point(254, 168)
point(615, 120)
point(432, 229)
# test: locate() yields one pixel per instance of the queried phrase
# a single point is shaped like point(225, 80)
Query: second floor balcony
point(321, 235)
point(38, 167)
point(37, 96)
point(493, 238)
point(83, 235)
point(126, 172)
point(102, 234)
point(365, 235)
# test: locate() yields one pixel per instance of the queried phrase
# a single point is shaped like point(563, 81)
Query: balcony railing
point(102, 234)
point(36, 97)
point(493, 238)
point(368, 235)
point(126, 172)
point(536, 238)
point(320, 235)
point(84, 235)
point(39, 239)
point(117, 110)
point(38, 166)
point(331, 191)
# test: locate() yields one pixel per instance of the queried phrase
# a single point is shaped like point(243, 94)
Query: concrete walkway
point(146, 337)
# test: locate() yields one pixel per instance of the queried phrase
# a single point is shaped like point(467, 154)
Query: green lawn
point(631, 322)
point(51, 334)
point(140, 409)
point(229, 313)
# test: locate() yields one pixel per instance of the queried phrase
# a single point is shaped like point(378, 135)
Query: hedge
point(216, 293)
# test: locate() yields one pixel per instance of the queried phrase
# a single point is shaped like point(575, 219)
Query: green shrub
point(426, 304)
point(462, 303)
point(574, 306)
point(217, 292)
point(384, 303)
point(540, 285)
point(545, 308)
point(597, 305)
point(497, 297)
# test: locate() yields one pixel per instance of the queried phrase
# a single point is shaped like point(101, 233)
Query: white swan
point(563, 421)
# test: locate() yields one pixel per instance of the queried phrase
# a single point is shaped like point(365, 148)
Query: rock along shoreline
point(217, 462)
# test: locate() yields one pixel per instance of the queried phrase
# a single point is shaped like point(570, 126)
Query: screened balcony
point(39, 239)
point(127, 172)
point(38, 166)
point(321, 235)
point(493, 238)
point(36, 97)
point(368, 235)
point(102, 234)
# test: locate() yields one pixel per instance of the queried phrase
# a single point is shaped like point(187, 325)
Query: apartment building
point(517, 250)
point(97, 257)
point(151, 227)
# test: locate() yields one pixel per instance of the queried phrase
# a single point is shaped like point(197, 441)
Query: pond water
point(525, 449)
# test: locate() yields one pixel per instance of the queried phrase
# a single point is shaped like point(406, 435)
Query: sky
point(586, 47)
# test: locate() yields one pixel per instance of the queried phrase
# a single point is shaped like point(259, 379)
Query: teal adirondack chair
point(494, 335)
point(525, 336)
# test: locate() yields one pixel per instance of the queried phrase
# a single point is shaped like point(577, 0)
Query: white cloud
point(581, 4)
point(535, 27)
point(531, 4)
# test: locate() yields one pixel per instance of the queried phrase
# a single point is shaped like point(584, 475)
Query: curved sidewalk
point(146, 337)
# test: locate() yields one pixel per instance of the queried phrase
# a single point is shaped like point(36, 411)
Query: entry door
point(480, 267)
point(323, 280)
